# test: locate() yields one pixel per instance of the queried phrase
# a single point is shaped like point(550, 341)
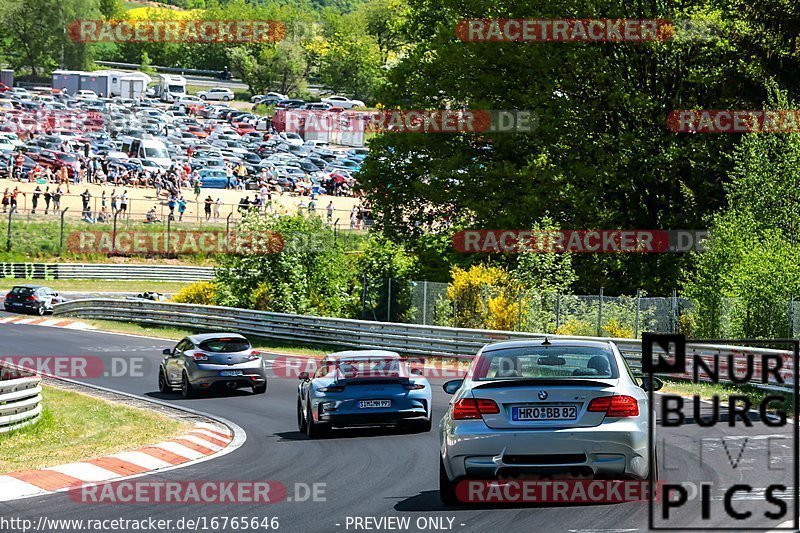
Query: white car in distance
point(343, 102)
point(217, 93)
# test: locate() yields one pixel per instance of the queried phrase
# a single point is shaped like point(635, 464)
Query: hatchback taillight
point(470, 409)
point(200, 357)
point(32, 298)
point(619, 406)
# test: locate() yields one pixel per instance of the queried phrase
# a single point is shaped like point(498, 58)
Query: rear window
point(366, 368)
point(22, 291)
point(222, 345)
point(541, 362)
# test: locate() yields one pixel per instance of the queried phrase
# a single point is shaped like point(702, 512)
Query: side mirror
point(450, 387)
point(655, 384)
point(303, 376)
point(167, 351)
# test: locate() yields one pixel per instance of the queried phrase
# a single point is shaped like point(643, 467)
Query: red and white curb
point(205, 441)
point(50, 322)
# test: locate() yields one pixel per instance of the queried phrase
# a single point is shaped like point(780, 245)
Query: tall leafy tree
point(601, 156)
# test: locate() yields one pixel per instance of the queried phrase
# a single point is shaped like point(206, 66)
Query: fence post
point(519, 311)
point(364, 298)
point(228, 230)
point(8, 238)
point(790, 313)
point(336, 231)
point(558, 310)
point(114, 232)
point(425, 303)
point(61, 240)
point(389, 302)
point(636, 322)
point(169, 228)
point(674, 310)
point(600, 313)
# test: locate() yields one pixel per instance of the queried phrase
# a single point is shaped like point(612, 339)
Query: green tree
point(601, 156)
point(751, 263)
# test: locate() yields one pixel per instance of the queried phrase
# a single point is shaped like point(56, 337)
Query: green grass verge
point(97, 285)
point(75, 427)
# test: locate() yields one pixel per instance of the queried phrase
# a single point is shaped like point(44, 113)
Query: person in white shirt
point(217, 205)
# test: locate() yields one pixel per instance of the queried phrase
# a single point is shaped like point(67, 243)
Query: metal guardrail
point(147, 272)
point(411, 339)
point(20, 398)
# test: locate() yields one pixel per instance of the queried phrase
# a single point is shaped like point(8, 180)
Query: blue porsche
point(363, 388)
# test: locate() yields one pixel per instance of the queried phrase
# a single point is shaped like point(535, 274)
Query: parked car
point(343, 102)
point(217, 93)
point(32, 298)
point(202, 362)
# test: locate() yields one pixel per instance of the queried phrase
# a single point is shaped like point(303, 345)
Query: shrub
point(575, 327)
point(201, 292)
point(483, 297)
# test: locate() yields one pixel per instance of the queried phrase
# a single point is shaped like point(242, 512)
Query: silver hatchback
point(541, 409)
point(200, 362)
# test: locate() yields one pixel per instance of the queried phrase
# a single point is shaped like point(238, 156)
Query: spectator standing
point(217, 205)
point(330, 212)
point(208, 202)
point(171, 206)
point(57, 199)
point(6, 200)
point(35, 199)
point(114, 200)
point(123, 202)
point(47, 197)
point(181, 207)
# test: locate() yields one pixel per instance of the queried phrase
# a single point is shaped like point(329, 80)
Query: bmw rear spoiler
point(527, 382)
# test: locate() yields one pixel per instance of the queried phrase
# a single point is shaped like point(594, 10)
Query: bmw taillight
point(200, 357)
point(619, 406)
point(413, 386)
point(470, 409)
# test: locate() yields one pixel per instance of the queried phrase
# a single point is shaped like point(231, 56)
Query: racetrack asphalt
point(386, 472)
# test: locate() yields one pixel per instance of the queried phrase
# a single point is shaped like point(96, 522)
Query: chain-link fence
point(435, 303)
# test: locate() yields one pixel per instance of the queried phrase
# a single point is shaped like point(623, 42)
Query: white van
point(151, 149)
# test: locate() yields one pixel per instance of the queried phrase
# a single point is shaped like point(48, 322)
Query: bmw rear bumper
point(473, 450)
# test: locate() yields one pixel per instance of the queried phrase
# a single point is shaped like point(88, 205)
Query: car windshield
point(224, 345)
point(156, 152)
point(546, 362)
